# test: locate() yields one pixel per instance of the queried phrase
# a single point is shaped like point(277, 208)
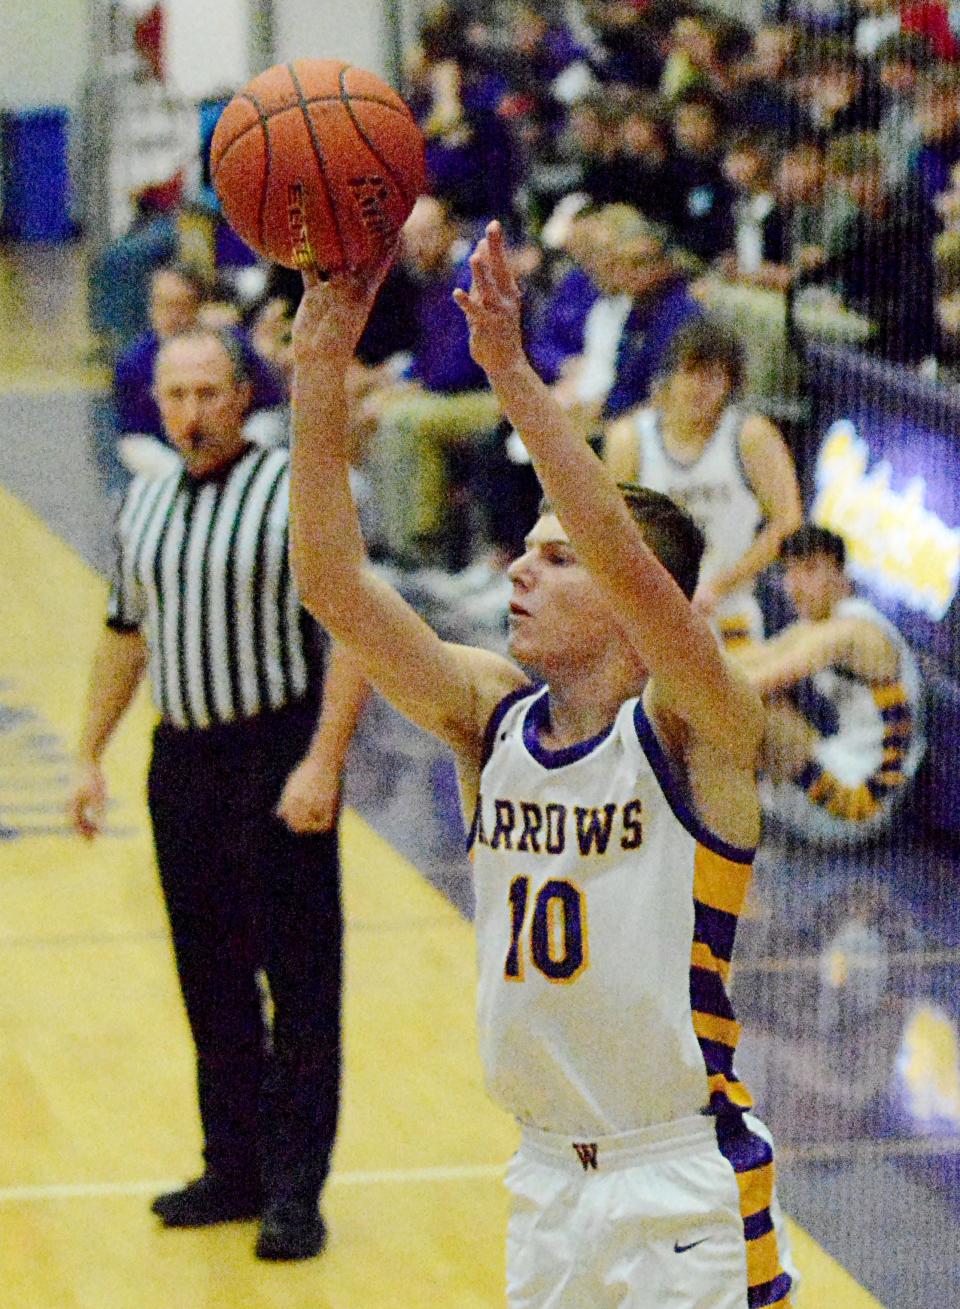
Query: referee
point(243, 791)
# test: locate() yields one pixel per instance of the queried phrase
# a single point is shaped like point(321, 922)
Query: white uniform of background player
point(730, 469)
point(859, 773)
point(605, 921)
point(836, 780)
point(715, 490)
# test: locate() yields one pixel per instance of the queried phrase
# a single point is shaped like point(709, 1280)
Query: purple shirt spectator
point(559, 335)
point(649, 331)
point(442, 360)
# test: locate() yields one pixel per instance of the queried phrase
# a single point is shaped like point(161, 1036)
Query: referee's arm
point(118, 666)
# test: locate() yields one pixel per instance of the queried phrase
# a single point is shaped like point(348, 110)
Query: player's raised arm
point(448, 690)
point(692, 679)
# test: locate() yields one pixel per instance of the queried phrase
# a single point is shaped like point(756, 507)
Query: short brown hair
point(811, 541)
point(667, 529)
point(670, 532)
point(704, 342)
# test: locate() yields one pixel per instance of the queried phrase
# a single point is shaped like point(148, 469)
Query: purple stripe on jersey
point(537, 720)
point(715, 928)
point(878, 789)
point(744, 1150)
point(758, 1225)
point(769, 1292)
point(717, 1057)
point(497, 717)
point(489, 739)
point(674, 793)
point(896, 713)
point(708, 995)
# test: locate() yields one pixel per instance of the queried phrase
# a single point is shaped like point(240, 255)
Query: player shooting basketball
point(615, 816)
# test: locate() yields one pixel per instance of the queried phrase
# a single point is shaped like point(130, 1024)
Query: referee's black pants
point(245, 894)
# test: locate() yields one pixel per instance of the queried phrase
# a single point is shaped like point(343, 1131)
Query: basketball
point(317, 164)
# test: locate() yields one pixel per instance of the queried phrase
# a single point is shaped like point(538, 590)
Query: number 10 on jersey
point(557, 943)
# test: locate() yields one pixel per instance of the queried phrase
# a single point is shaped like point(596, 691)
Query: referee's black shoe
point(291, 1230)
point(210, 1199)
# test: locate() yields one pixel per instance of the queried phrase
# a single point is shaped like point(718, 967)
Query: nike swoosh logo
point(682, 1249)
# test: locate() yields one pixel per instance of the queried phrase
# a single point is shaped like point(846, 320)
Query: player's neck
point(582, 707)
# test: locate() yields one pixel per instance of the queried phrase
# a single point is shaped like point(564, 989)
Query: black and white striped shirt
point(203, 571)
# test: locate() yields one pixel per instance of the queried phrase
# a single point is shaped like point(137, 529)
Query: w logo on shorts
point(587, 1154)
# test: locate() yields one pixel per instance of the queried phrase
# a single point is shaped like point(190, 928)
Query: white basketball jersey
point(713, 489)
point(876, 721)
point(605, 923)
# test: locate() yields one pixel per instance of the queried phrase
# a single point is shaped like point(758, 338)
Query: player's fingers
point(483, 277)
point(386, 260)
point(468, 305)
point(499, 266)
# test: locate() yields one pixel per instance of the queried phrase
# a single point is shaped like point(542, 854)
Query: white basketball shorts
point(679, 1216)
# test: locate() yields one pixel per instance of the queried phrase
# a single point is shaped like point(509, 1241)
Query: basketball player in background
point(615, 816)
point(835, 782)
point(730, 469)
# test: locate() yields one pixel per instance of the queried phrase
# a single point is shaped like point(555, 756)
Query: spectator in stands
point(948, 304)
point(504, 484)
point(701, 48)
point(758, 238)
point(834, 92)
point(544, 46)
point(643, 174)
point(842, 694)
point(438, 402)
point(883, 265)
point(640, 302)
point(879, 20)
point(795, 232)
point(644, 302)
point(177, 295)
point(119, 281)
point(935, 20)
point(938, 123)
point(900, 62)
point(704, 221)
point(947, 256)
point(730, 469)
point(947, 203)
point(557, 337)
point(761, 95)
point(592, 138)
point(470, 162)
point(625, 44)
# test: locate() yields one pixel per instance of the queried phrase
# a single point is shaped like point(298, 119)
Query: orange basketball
point(317, 164)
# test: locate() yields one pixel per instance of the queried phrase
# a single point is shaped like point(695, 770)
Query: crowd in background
point(655, 163)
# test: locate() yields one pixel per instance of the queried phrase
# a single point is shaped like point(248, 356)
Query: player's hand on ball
point(493, 305)
point(334, 311)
